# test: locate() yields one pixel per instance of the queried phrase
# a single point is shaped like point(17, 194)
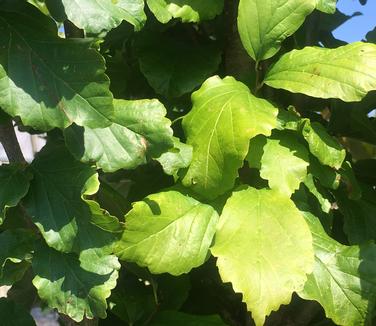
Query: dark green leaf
point(174, 67)
point(16, 247)
point(173, 318)
point(64, 284)
point(48, 81)
point(14, 185)
point(66, 221)
point(12, 314)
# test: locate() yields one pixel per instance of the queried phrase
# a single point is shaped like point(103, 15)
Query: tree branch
point(10, 143)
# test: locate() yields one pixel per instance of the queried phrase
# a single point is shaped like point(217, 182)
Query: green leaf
point(12, 314)
point(327, 176)
point(284, 163)
point(14, 185)
point(16, 247)
point(349, 178)
point(359, 216)
point(343, 279)
point(326, 149)
point(139, 131)
point(347, 72)
point(189, 11)
point(66, 221)
point(173, 318)
point(264, 248)
point(95, 16)
point(48, 81)
point(321, 197)
point(165, 61)
point(179, 226)
point(264, 24)
point(179, 157)
point(224, 117)
point(256, 151)
point(132, 301)
point(64, 284)
point(327, 6)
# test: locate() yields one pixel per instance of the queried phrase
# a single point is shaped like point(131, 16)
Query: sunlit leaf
point(264, 24)
point(179, 226)
point(343, 279)
point(264, 248)
point(347, 72)
point(224, 117)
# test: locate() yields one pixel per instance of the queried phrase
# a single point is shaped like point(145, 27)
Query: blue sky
point(356, 28)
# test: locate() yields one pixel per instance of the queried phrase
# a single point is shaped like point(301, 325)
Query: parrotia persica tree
point(207, 163)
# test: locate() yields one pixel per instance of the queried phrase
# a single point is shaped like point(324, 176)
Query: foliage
point(206, 163)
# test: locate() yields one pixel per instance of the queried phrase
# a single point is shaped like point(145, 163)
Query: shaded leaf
point(139, 131)
point(349, 178)
point(263, 246)
point(14, 185)
point(179, 226)
point(224, 117)
point(62, 282)
point(95, 16)
point(359, 216)
point(172, 318)
point(12, 314)
point(321, 197)
point(189, 11)
point(264, 24)
point(347, 72)
point(327, 176)
point(343, 278)
point(45, 80)
point(16, 247)
point(174, 67)
point(65, 220)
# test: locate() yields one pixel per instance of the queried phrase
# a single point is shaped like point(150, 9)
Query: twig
point(10, 143)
